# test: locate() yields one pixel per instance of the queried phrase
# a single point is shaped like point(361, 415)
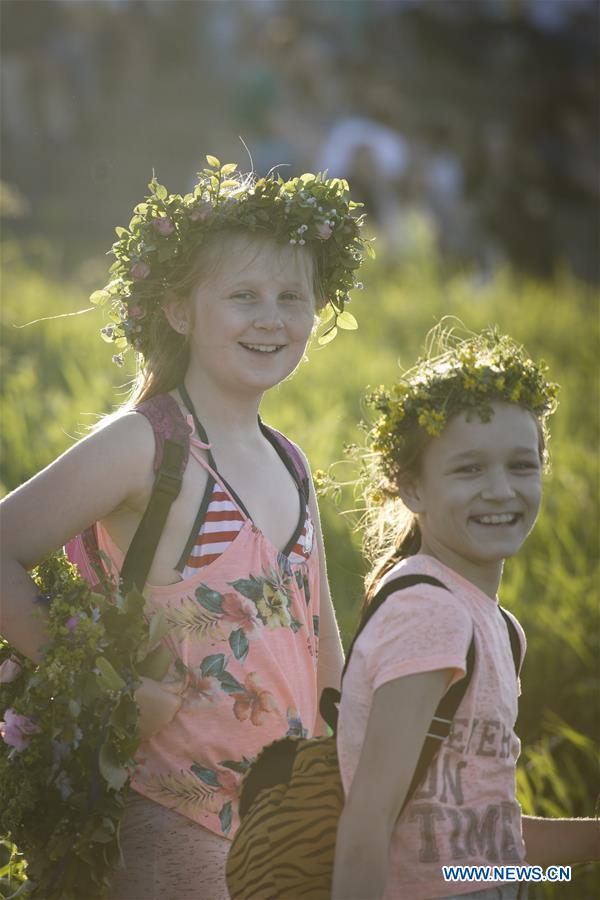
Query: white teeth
point(263, 348)
point(497, 519)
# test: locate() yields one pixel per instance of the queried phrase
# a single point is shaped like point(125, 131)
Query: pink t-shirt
point(465, 812)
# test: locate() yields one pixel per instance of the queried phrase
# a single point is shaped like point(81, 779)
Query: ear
point(411, 495)
point(177, 314)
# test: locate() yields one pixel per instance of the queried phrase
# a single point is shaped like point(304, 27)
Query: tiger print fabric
point(277, 853)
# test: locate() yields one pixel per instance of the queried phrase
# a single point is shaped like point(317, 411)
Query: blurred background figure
point(481, 115)
point(374, 159)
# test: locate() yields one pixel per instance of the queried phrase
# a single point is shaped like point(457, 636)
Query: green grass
point(57, 376)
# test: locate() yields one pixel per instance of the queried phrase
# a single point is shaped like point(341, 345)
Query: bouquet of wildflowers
point(69, 730)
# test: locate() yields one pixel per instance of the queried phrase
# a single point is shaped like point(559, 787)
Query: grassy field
point(57, 377)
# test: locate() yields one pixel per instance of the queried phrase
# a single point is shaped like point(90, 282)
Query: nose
point(268, 316)
point(498, 485)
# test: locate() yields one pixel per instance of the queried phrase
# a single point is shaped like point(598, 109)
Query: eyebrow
point(469, 454)
point(285, 285)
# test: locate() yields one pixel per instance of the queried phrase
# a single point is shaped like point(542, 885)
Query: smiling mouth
point(497, 519)
point(262, 348)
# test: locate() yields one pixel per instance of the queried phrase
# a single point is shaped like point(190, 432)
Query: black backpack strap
point(171, 434)
point(330, 697)
point(441, 722)
point(390, 587)
point(515, 641)
point(167, 485)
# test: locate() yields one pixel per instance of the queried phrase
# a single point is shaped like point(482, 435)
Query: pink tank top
point(243, 631)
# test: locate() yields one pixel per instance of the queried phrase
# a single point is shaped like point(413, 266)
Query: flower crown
point(167, 228)
point(466, 377)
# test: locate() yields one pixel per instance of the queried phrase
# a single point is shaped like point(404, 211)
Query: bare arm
point(331, 654)
point(398, 722)
point(561, 841)
point(110, 468)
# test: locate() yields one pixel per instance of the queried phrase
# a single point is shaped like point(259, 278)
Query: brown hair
point(166, 355)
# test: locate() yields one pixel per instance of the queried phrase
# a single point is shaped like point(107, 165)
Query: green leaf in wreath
point(239, 644)
point(99, 297)
point(346, 320)
point(328, 337)
point(208, 776)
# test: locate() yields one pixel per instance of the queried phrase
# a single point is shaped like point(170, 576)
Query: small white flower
point(301, 241)
point(292, 240)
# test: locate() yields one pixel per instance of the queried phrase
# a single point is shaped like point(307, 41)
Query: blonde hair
point(166, 360)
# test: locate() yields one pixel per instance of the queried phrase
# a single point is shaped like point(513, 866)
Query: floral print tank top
point(243, 632)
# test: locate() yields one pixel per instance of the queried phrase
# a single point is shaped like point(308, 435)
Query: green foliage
point(55, 372)
point(56, 376)
point(70, 732)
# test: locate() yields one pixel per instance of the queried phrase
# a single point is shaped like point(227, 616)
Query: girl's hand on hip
point(158, 704)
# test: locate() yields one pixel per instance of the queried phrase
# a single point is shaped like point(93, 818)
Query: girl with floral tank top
point(217, 293)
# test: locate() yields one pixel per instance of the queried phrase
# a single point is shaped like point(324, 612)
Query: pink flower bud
point(140, 270)
point(324, 232)
point(164, 225)
point(16, 730)
point(136, 312)
point(10, 670)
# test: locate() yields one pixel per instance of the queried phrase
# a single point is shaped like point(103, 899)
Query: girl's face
point(249, 320)
point(479, 493)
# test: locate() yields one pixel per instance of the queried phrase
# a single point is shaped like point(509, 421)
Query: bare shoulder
point(110, 468)
point(128, 433)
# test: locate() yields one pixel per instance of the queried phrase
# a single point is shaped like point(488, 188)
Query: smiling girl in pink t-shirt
point(456, 461)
